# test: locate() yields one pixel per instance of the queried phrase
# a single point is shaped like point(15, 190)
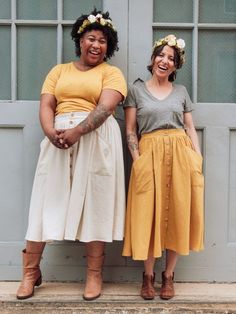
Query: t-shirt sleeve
point(188, 105)
point(51, 79)
point(114, 79)
point(130, 100)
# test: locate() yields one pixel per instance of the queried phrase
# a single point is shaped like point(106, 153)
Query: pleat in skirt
point(165, 198)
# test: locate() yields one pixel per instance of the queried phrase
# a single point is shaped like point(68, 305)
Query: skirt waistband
point(69, 120)
point(165, 132)
point(71, 115)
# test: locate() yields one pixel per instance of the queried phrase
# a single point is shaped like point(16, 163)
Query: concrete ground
point(123, 298)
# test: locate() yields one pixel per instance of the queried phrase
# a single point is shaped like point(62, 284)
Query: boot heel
point(38, 282)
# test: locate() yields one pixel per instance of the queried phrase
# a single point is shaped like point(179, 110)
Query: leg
point(95, 259)
point(171, 261)
point(167, 288)
point(35, 247)
point(149, 266)
point(147, 290)
point(31, 272)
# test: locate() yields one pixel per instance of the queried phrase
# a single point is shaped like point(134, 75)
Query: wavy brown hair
point(177, 60)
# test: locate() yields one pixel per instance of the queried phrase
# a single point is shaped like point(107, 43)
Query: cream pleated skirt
point(79, 193)
point(165, 200)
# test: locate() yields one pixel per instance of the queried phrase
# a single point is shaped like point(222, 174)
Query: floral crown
point(95, 19)
point(172, 41)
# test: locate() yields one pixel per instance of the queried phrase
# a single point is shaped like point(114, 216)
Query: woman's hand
point(53, 136)
point(68, 137)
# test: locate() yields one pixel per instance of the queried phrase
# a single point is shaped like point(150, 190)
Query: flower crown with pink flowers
point(172, 41)
point(96, 19)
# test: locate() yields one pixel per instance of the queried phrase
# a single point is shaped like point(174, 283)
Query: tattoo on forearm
point(95, 119)
point(132, 141)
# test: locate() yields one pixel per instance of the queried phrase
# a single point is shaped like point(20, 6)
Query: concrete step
point(122, 298)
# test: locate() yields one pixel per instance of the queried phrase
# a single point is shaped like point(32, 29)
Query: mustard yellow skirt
point(165, 199)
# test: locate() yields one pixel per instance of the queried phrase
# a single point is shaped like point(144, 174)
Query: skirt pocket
point(195, 163)
point(102, 163)
point(143, 173)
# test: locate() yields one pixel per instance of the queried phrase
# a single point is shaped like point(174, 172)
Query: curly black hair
point(109, 33)
point(177, 60)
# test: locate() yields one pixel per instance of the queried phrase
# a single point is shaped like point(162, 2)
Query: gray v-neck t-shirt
point(154, 114)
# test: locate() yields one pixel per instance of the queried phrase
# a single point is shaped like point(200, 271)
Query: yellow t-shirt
point(77, 90)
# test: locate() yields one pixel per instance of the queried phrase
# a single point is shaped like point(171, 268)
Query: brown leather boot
point(148, 291)
point(31, 275)
point(93, 284)
point(167, 287)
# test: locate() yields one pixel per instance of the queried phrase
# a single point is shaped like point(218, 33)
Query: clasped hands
point(64, 139)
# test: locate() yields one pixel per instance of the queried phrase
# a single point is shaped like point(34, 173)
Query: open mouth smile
point(162, 68)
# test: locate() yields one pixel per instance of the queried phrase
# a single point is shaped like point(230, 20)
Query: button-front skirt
point(78, 193)
point(165, 200)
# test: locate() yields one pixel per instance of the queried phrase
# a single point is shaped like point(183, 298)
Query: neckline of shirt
point(154, 97)
point(95, 67)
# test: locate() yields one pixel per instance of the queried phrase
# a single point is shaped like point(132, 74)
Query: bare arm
point(131, 131)
point(47, 112)
point(108, 101)
point(46, 116)
point(191, 131)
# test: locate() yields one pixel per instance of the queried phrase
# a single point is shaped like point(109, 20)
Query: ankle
point(168, 274)
point(151, 274)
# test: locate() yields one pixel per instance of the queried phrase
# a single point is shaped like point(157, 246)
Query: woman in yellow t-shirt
point(78, 191)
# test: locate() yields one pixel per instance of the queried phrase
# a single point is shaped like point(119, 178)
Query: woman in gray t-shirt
point(165, 199)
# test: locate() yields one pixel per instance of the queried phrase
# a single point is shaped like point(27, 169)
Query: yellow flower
point(171, 42)
point(80, 30)
point(158, 43)
point(170, 38)
point(102, 21)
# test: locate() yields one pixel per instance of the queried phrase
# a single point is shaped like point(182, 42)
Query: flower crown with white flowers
point(95, 19)
point(172, 41)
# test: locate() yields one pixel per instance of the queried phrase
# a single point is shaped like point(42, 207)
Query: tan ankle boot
point(31, 275)
point(148, 291)
point(93, 284)
point(167, 288)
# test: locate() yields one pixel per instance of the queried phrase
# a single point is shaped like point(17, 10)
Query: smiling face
point(93, 45)
point(164, 63)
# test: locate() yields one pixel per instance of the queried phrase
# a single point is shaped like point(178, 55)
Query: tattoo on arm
point(95, 119)
point(132, 141)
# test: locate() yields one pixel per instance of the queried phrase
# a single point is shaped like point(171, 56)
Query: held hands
point(68, 137)
point(64, 139)
point(53, 136)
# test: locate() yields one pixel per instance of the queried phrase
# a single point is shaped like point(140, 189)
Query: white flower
point(98, 16)
point(180, 43)
point(92, 18)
